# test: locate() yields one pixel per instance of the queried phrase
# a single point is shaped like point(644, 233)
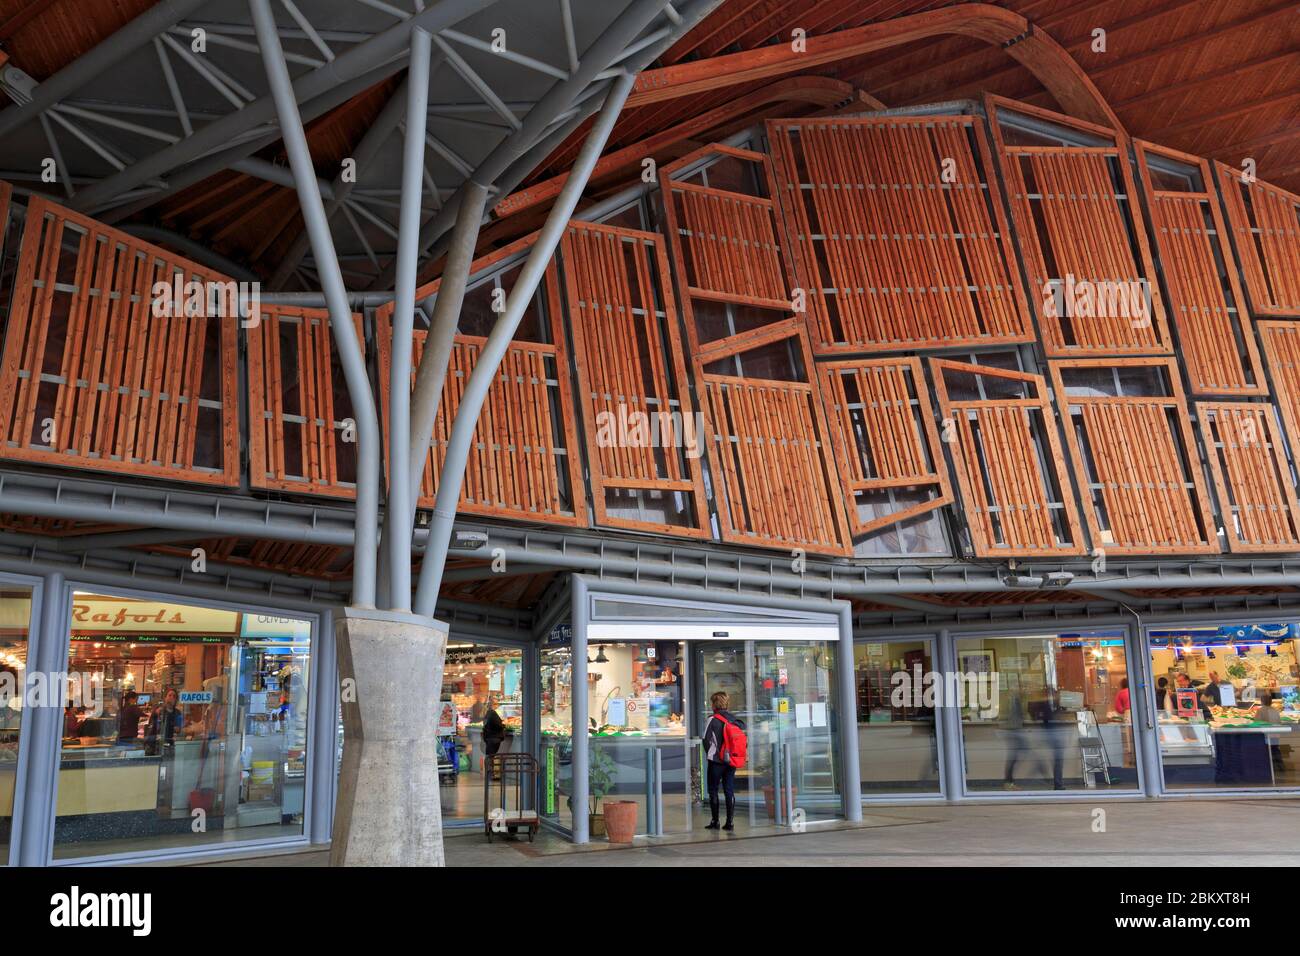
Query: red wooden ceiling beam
point(1031, 47)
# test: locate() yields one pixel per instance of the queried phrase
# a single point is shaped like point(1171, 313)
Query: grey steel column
point(323, 740)
point(531, 731)
point(489, 360)
point(44, 730)
point(950, 717)
point(399, 516)
point(432, 373)
point(366, 150)
point(369, 444)
point(848, 711)
point(1146, 741)
point(578, 685)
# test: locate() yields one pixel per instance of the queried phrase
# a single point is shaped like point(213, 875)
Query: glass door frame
point(1136, 671)
point(729, 615)
point(934, 641)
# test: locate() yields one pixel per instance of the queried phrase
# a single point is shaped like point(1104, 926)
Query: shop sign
point(15, 613)
point(196, 697)
point(560, 634)
point(269, 626)
point(96, 615)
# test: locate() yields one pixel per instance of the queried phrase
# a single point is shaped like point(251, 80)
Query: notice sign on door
point(446, 719)
point(783, 676)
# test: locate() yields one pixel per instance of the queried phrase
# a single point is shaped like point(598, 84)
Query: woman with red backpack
point(724, 749)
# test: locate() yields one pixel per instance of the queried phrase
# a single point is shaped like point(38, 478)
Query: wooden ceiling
point(1220, 78)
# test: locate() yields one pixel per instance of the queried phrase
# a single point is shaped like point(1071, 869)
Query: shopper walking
point(494, 733)
point(722, 771)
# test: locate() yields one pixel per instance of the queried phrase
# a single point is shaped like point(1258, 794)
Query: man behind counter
point(128, 718)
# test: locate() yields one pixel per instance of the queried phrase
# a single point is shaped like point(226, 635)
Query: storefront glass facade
point(555, 702)
point(1227, 705)
point(184, 726)
point(1046, 712)
point(898, 745)
point(478, 680)
point(15, 623)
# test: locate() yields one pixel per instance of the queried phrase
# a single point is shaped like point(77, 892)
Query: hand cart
point(510, 809)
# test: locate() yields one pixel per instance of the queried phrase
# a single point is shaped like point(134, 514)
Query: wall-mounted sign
point(196, 697)
point(92, 614)
point(560, 634)
point(266, 626)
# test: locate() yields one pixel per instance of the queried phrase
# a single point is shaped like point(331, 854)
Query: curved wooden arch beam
point(1033, 48)
point(818, 90)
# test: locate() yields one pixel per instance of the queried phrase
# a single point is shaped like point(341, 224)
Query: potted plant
point(769, 798)
point(600, 777)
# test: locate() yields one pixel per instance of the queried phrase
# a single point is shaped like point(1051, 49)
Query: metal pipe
point(399, 515)
point(557, 99)
point(381, 53)
point(190, 248)
point(367, 149)
point(103, 57)
point(369, 442)
point(432, 373)
point(490, 356)
point(243, 145)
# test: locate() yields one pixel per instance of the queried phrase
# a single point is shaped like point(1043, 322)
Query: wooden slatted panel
point(764, 463)
point(914, 246)
point(884, 435)
point(1282, 355)
point(1136, 463)
point(523, 463)
point(1090, 270)
point(1215, 340)
point(301, 431)
point(98, 375)
point(1007, 459)
point(643, 443)
point(732, 250)
point(517, 467)
point(1265, 224)
point(775, 489)
point(1256, 492)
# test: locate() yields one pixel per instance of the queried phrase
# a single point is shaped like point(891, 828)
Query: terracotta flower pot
point(769, 800)
point(620, 820)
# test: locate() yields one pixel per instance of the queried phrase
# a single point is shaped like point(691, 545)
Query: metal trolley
point(511, 808)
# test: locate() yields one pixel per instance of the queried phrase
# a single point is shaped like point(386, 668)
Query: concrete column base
point(388, 811)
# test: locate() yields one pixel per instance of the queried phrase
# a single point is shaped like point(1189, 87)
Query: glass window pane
point(1049, 712)
point(555, 667)
point(482, 714)
point(1228, 705)
point(184, 726)
point(897, 747)
point(15, 619)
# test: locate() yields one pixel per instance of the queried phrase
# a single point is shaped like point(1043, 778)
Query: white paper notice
point(803, 715)
point(818, 715)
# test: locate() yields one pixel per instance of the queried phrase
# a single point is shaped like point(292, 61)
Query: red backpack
point(734, 743)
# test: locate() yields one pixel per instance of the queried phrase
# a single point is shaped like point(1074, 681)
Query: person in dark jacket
point(494, 733)
point(128, 718)
point(165, 723)
point(719, 771)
